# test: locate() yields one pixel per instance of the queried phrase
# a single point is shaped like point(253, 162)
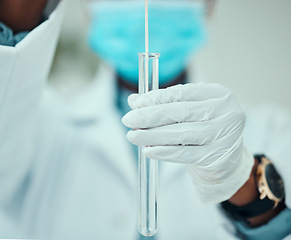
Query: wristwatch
point(271, 190)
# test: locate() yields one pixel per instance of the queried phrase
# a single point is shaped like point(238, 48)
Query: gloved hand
point(200, 125)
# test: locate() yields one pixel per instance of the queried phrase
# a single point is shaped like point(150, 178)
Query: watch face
point(274, 181)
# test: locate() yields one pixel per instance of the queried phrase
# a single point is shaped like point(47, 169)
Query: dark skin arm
point(21, 15)
point(249, 193)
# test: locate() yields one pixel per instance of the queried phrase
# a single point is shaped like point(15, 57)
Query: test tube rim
point(151, 55)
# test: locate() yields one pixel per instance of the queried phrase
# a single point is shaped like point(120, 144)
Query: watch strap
point(250, 210)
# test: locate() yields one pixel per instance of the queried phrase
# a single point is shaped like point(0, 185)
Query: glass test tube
point(147, 168)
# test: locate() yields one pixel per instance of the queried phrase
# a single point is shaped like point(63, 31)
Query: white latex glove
point(200, 125)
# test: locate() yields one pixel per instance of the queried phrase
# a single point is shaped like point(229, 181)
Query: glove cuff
point(220, 191)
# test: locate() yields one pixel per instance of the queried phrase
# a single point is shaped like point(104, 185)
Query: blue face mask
point(175, 31)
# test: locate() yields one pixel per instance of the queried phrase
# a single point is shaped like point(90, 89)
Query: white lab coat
point(66, 169)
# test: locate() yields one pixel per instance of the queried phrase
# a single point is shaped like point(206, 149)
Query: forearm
point(249, 193)
point(21, 15)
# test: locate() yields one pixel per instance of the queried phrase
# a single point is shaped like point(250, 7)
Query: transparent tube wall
point(147, 168)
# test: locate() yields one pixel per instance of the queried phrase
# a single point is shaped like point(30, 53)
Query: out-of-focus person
point(67, 170)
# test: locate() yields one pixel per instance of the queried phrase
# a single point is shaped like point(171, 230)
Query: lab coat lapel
point(33, 54)
point(23, 72)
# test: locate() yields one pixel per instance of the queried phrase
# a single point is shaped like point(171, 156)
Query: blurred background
point(249, 51)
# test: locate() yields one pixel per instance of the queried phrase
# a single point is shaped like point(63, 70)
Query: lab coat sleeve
point(277, 228)
point(23, 72)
